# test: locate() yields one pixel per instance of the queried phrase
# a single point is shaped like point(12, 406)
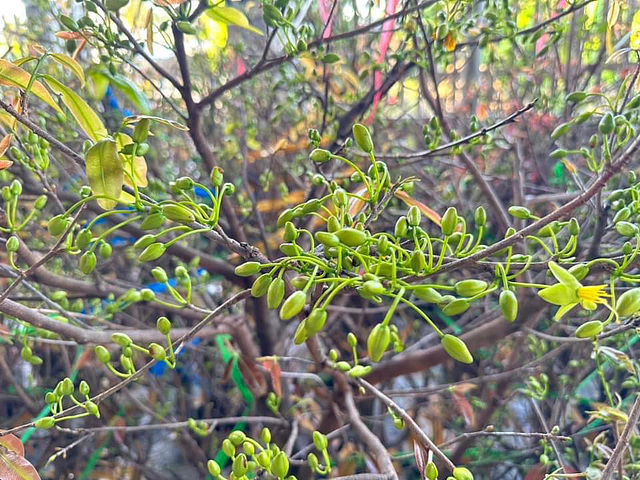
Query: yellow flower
point(569, 292)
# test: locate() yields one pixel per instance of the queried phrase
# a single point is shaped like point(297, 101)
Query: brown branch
point(6, 372)
point(569, 207)
point(623, 441)
point(422, 437)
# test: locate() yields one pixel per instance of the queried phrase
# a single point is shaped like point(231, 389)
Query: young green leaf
point(70, 64)
point(105, 172)
point(131, 91)
point(13, 76)
point(231, 16)
point(86, 117)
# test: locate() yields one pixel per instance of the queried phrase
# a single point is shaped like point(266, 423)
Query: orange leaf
point(464, 407)
point(12, 443)
point(273, 367)
point(13, 465)
point(426, 211)
point(4, 164)
point(450, 42)
point(70, 35)
point(4, 144)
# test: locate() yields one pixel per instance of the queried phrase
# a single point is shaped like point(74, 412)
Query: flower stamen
point(593, 293)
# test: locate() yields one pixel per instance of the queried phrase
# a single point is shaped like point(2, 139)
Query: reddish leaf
point(13, 465)
point(4, 164)
point(426, 211)
point(70, 35)
point(464, 407)
point(421, 460)
point(4, 144)
point(12, 443)
point(273, 367)
point(253, 378)
point(536, 473)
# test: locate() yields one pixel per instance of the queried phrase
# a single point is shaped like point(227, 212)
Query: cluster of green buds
point(537, 387)
point(251, 458)
point(16, 220)
point(184, 279)
point(128, 347)
point(349, 255)
point(321, 443)
point(35, 156)
point(66, 388)
point(28, 356)
point(615, 127)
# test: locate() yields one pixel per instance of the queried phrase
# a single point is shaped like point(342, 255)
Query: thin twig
point(623, 441)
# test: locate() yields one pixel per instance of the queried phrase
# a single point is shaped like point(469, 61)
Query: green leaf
point(231, 16)
point(131, 91)
point(88, 119)
point(331, 58)
point(14, 76)
point(105, 172)
point(70, 64)
point(169, 123)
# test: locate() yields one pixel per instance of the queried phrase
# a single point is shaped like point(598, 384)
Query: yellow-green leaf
point(635, 31)
point(88, 120)
point(149, 24)
point(105, 172)
point(70, 64)
point(14, 76)
point(163, 121)
point(231, 16)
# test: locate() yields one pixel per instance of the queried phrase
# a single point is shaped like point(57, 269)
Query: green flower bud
point(141, 130)
point(579, 271)
point(248, 269)
point(285, 217)
point(470, 288)
point(589, 329)
point(480, 216)
point(249, 449)
point(523, 213)
point(360, 371)
point(312, 460)
point(574, 227)
point(449, 221)
point(280, 465)
point(363, 138)
point(152, 252)
point(178, 213)
point(163, 325)
point(87, 262)
point(428, 294)
point(628, 303)
point(627, 248)
point(626, 229)
point(549, 230)
point(263, 459)
point(508, 305)
point(289, 249)
point(320, 155)
point(13, 244)
point(147, 295)
point(327, 239)
point(461, 473)
point(456, 348)
point(144, 241)
point(351, 236)
point(414, 216)
point(265, 436)
point(315, 321)
point(213, 468)
point(401, 228)
point(40, 202)
point(261, 285)
point(45, 423)
point(275, 293)
point(67, 386)
point(561, 130)
point(84, 388)
point(121, 339)
point(607, 124)
point(102, 354)
point(290, 232)
point(105, 250)
point(83, 238)
point(371, 288)
point(558, 153)
point(293, 305)
point(456, 307)
point(92, 408)
point(228, 448)
point(299, 282)
point(333, 224)
point(431, 471)
point(157, 352)
point(153, 221)
point(184, 183)
point(50, 398)
point(57, 225)
point(159, 274)
point(237, 437)
point(26, 353)
point(378, 341)
point(188, 29)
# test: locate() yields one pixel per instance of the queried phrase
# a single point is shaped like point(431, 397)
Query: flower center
point(593, 293)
